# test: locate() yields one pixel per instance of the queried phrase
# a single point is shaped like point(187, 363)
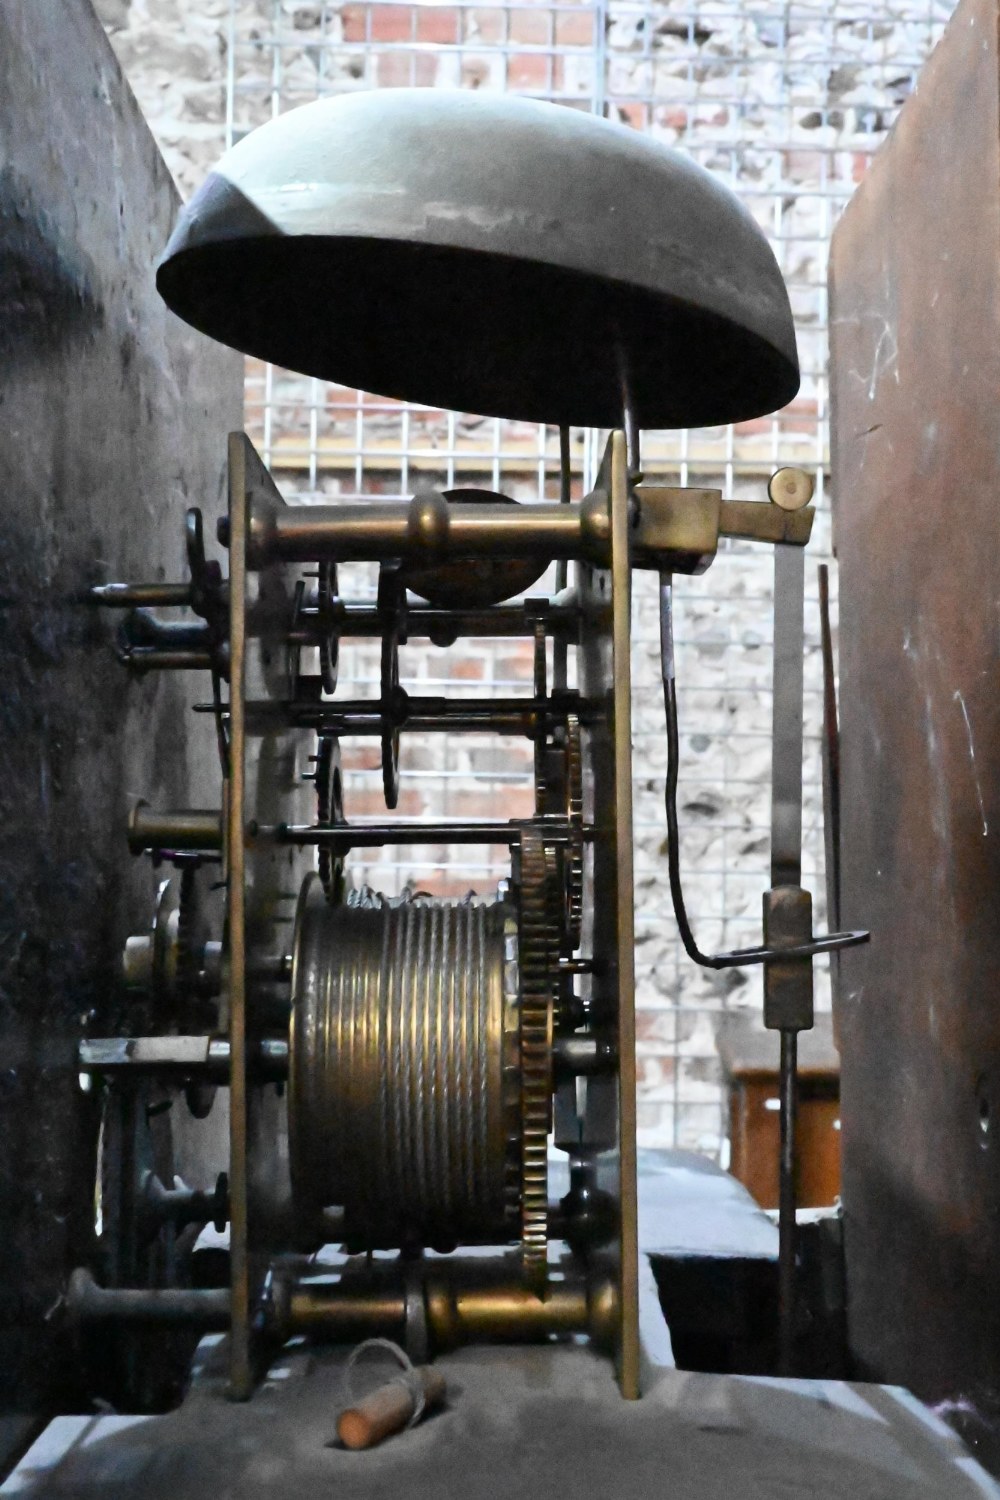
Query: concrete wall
point(113, 418)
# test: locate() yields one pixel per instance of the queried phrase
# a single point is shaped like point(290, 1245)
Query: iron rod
point(787, 1203)
point(377, 835)
point(503, 620)
point(130, 595)
point(207, 1309)
point(560, 645)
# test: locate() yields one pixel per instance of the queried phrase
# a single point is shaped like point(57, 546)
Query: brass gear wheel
point(329, 643)
point(560, 794)
point(538, 949)
point(329, 813)
point(574, 810)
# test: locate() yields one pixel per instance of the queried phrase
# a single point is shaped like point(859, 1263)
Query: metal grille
point(786, 103)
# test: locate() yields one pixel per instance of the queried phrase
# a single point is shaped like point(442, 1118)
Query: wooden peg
point(388, 1409)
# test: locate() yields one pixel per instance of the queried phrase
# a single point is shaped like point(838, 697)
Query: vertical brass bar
point(786, 719)
point(240, 1374)
point(621, 595)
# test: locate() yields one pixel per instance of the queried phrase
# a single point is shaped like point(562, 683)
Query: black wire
point(741, 957)
point(691, 948)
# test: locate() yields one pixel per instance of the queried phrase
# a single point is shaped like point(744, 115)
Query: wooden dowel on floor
point(388, 1409)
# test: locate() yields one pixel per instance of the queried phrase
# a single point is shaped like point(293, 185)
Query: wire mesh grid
point(786, 103)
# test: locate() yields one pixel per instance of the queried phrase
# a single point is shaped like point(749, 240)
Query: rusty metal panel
point(915, 315)
point(113, 417)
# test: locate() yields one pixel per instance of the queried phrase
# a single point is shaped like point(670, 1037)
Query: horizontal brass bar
point(426, 528)
point(152, 659)
point(754, 522)
point(131, 595)
point(189, 828)
point(457, 1311)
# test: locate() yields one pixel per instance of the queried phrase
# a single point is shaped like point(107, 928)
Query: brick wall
point(786, 102)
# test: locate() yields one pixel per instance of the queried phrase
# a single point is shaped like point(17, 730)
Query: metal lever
point(808, 945)
point(788, 981)
point(789, 945)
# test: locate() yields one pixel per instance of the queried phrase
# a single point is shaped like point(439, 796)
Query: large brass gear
point(538, 949)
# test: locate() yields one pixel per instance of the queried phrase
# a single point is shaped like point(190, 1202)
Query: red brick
point(391, 23)
point(338, 398)
point(467, 669)
point(361, 756)
point(756, 424)
point(437, 23)
point(362, 801)
point(517, 667)
point(673, 118)
point(353, 21)
point(501, 802)
point(529, 72)
point(803, 406)
point(633, 114)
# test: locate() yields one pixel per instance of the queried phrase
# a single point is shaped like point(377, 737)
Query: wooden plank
point(915, 321)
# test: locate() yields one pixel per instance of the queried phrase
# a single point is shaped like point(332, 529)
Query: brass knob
point(790, 488)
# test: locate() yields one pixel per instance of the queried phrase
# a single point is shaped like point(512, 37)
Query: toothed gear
point(560, 794)
point(538, 951)
point(329, 813)
point(574, 809)
point(541, 691)
point(189, 938)
point(329, 642)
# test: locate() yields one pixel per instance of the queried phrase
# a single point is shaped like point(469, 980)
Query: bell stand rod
point(560, 644)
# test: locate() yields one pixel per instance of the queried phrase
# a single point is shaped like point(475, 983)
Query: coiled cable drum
point(403, 1080)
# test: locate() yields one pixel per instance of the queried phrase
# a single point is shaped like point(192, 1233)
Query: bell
point(487, 254)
